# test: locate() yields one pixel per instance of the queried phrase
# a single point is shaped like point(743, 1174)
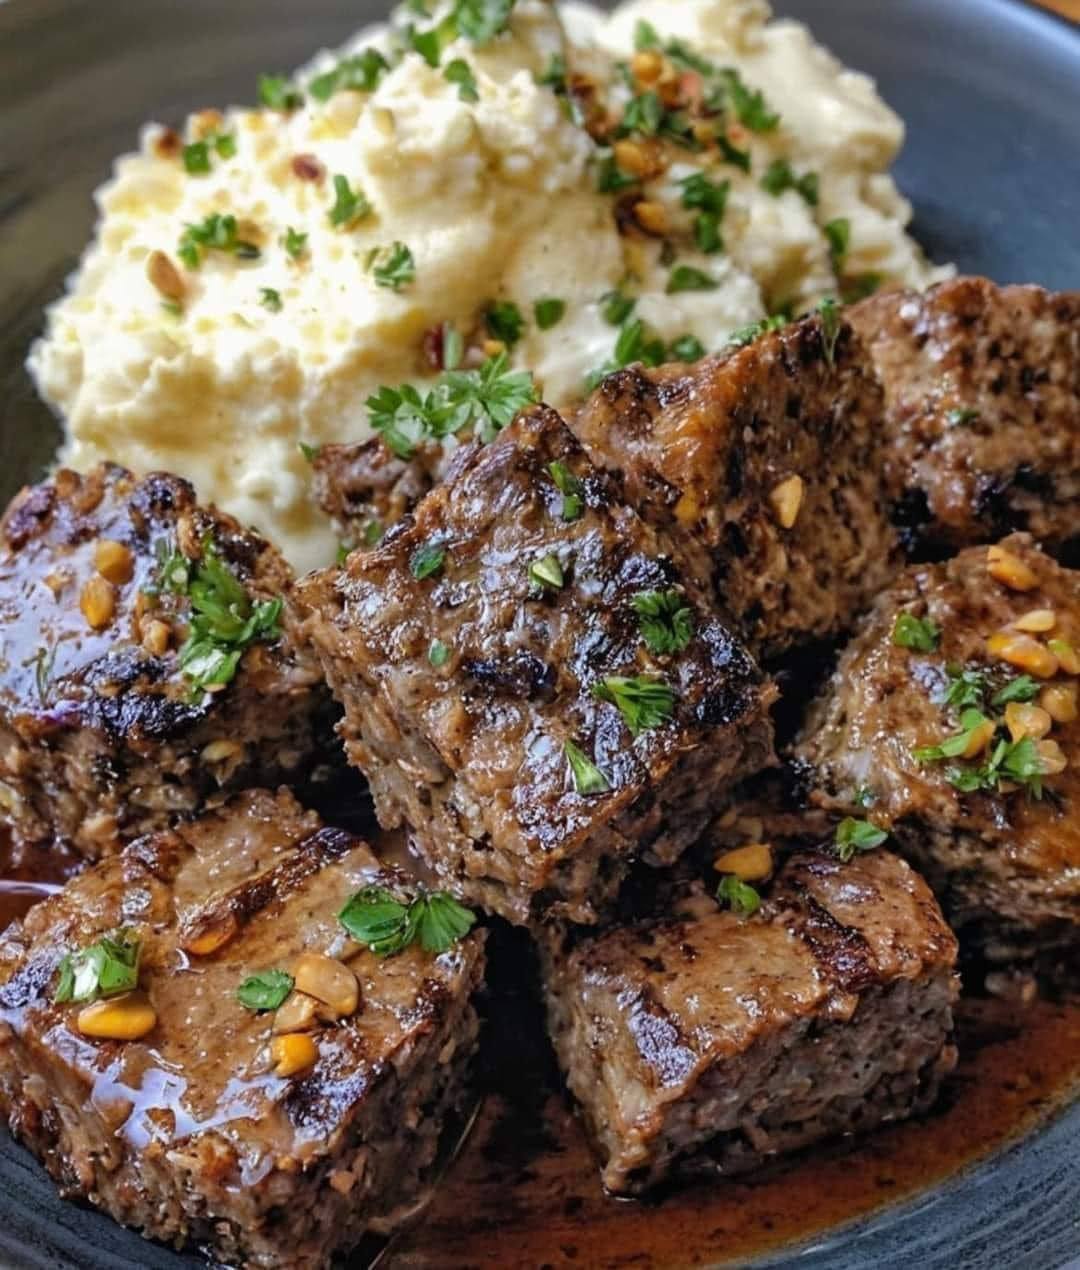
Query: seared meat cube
point(952, 718)
point(982, 395)
point(268, 1139)
point(531, 684)
point(700, 1041)
point(764, 466)
point(365, 488)
point(112, 720)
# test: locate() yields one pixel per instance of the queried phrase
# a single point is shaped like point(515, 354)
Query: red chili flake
point(307, 167)
point(168, 143)
point(433, 347)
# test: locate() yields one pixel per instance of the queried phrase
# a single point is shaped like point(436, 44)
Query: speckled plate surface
point(991, 94)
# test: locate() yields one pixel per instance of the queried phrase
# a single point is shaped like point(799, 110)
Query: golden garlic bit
point(786, 500)
point(328, 981)
point(1010, 570)
point(1024, 652)
point(751, 863)
point(123, 1018)
point(293, 1053)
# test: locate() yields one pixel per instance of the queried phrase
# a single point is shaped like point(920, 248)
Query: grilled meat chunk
point(699, 1041)
point(962, 737)
point(365, 488)
point(482, 651)
point(193, 1132)
point(103, 735)
point(764, 466)
point(982, 395)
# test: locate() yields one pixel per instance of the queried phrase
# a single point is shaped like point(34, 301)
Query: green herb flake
point(266, 990)
point(310, 452)
point(218, 232)
point(780, 176)
point(918, 634)
point(615, 307)
point(395, 267)
point(459, 72)
point(610, 178)
point(549, 312)
point(270, 299)
point(749, 104)
point(838, 235)
point(687, 278)
point(643, 702)
point(361, 73)
point(745, 335)
point(738, 895)
point(480, 21)
point(732, 154)
point(438, 654)
point(547, 573)
point(587, 777)
point(960, 418)
point(687, 348)
point(504, 322)
point(373, 532)
point(1022, 688)
point(277, 93)
point(554, 74)
point(104, 969)
point(829, 314)
point(964, 688)
point(665, 620)
point(971, 720)
point(375, 917)
point(196, 158)
point(349, 205)
point(427, 560)
point(571, 489)
point(645, 36)
point(854, 835)
point(294, 242)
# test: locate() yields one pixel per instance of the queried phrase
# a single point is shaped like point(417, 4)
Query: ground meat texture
point(1005, 864)
point(982, 393)
point(764, 465)
point(698, 1041)
point(462, 687)
point(188, 1134)
point(365, 488)
point(101, 737)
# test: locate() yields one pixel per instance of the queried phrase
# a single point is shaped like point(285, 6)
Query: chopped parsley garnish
point(588, 778)
point(838, 235)
point(265, 990)
point(270, 299)
point(504, 321)
point(459, 72)
point(645, 36)
point(856, 835)
point(779, 176)
point(958, 418)
point(344, 551)
point(711, 198)
point(373, 532)
point(854, 289)
point(277, 93)
point(570, 487)
point(749, 104)
point(104, 969)
point(635, 343)
point(972, 721)
point(482, 20)
point(549, 312)
point(361, 73)
point(376, 917)
point(196, 155)
point(438, 654)
point(294, 242)
point(643, 702)
point(687, 278)
point(829, 314)
point(216, 233)
point(395, 267)
point(427, 560)
point(484, 400)
point(644, 114)
point(616, 307)
point(745, 335)
point(349, 205)
point(1017, 761)
point(732, 154)
point(919, 634)
point(687, 348)
point(554, 74)
point(223, 623)
point(547, 573)
point(1022, 688)
point(863, 796)
point(738, 895)
point(964, 688)
point(665, 619)
point(310, 452)
point(44, 660)
point(610, 178)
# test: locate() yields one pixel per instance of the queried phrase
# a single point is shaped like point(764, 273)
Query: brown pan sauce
point(524, 1190)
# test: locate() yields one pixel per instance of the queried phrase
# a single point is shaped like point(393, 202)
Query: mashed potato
point(418, 199)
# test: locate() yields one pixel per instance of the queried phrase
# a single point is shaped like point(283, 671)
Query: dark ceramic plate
point(991, 94)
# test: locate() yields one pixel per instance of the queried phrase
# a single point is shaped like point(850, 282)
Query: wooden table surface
point(1067, 8)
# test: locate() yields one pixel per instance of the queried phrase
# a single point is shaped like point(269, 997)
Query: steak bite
point(764, 466)
point(952, 717)
point(531, 684)
point(143, 660)
point(982, 395)
point(269, 1133)
point(699, 1041)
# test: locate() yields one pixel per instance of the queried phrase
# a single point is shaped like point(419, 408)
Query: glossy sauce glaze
point(524, 1190)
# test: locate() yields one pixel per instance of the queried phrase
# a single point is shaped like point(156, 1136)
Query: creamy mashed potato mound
point(494, 187)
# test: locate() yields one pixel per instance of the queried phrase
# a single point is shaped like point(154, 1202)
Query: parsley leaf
point(570, 487)
point(276, 93)
point(482, 20)
point(958, 418)
point(644, 703)
point(427, 560)
point(972, 721)
point(588, 778)
point(856, 835)
point(687, 278)
point(265, 990)
point(375, 917)
point(645, 36)
point(829, 314)
point(294, 242)
point(460, 72)
point(349, 205)
point(218, 232)
point(505, 322)
point(687, 348)
point(738, 895)
point(547, 573)
point(395, 267)
point(270, 299)
point(919, 634)
point(360, 72)
point(838, 235)
point(667, 623)
point(1022, 688)
point(643, 114)
point(616, 307)
point(750, 105)
point(965, 688)
point(780, 176)
point(548, 312)
point(438, 654)
point(711, 197)
point(103, 969)
point(745, 335)
point(403, 417)
point(610, 178)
